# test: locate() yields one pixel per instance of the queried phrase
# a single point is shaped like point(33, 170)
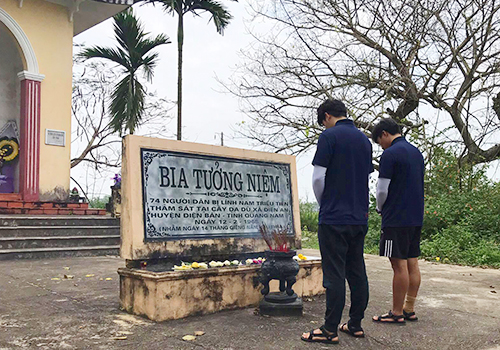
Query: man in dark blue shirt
point(400, 200)
point(342, 165)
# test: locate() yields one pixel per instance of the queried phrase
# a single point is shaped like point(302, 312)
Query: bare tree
point(404, 59)
point(94, 140)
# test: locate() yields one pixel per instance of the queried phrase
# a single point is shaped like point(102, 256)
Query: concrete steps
point(28, 237)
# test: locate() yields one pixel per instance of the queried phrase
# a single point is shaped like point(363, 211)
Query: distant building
point(36, 43)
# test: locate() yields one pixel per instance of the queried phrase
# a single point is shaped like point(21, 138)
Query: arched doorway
point(11, 63)
point(19, 113)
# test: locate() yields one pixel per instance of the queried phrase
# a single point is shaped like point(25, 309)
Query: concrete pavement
point(458, 307)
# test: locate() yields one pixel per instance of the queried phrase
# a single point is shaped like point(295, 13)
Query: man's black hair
point(335, 108)
point(385, 124)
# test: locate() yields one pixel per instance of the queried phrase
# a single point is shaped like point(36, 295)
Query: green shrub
point(309, 223)
point(309, 216)
point(309, 239)
point(374, 226)
point(98, 202)
point(458, 244)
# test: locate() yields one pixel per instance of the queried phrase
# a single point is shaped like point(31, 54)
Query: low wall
point(170, 295)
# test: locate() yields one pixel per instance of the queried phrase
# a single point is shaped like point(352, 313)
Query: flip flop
point(325, 337)
point(390, 318)
point(346, 328)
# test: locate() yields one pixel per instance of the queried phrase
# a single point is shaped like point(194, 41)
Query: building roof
point(87, 13)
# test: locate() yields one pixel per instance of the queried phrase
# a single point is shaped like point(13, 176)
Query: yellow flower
point(195, 265)
point(438, 258)
point(302, 257)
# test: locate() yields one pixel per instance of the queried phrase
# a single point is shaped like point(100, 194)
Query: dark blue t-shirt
point(404, 165)
point(347, 154)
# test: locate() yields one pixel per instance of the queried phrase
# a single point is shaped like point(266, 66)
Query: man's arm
point(382, 192)
point(319, 174)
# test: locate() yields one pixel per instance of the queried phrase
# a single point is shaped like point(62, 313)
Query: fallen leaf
point(90, 275)
point(199, 333)
point(122, 337)
point(122, 324)
point(189, 337)
point(109, 279)
point(125, 332)
point(55, 279)
point(101, 279)
point(133, 320)
point(66, 267)
point(69, 277)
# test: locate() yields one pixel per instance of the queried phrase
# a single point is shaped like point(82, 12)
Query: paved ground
point(458, 308)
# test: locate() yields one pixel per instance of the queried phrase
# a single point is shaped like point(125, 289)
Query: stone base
point(280, 298)
point(170, 295)
point(281, 309)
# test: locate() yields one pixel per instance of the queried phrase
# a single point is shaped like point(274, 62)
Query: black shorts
point(400, 242)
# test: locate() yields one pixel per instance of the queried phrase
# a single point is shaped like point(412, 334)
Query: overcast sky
point(207, 111)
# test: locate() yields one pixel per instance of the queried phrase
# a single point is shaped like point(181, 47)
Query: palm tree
point(132, 54)
point(220, 17)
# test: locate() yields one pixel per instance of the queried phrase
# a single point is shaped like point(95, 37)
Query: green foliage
point(99, 202)
point(309, 223)
point(132, 54)
point(220, 15)
point(374, 225)
point(446, 176)
point(309, 239)
point(309, 216)
point(461, 215)
point(459, 244)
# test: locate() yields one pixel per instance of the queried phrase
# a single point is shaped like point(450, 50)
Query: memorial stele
point(188, 200)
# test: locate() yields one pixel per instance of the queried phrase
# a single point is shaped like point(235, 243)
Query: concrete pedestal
point(171, 295)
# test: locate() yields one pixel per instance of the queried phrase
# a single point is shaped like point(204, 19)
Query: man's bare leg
point(414, 285)
point(400, 283)
point(414, 274)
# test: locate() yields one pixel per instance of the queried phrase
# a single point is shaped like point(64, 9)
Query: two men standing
point(342, 165)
